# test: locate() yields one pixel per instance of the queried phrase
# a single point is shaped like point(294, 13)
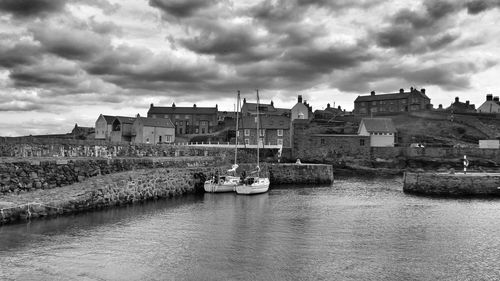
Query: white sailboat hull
point(260, 185)
point(225, 184)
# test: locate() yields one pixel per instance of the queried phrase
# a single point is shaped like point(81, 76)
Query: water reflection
point(353, 230)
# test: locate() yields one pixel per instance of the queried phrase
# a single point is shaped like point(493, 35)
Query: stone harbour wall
point(300, 174)
point(104, 191)
point(459, 184)
point(28, 175)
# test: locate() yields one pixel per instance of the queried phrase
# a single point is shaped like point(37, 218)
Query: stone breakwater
point(120, 188)
point(29, 175)
point(100, 192)
point(459, 184)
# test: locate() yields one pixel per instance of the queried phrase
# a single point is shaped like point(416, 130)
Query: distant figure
point(298, 162)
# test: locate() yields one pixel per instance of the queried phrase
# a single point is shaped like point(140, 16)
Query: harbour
point(355, 229)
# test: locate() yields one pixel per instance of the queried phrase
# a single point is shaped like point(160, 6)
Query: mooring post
point(466, 164)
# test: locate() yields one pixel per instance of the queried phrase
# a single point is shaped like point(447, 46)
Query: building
point(103, 126)
point(121, 129)
point(491, 105)
point(414, 100)
point(301, 110)
point(329, 112)
point(249, 109)
point(461, 107)
point(83, 133)
point(153, 130)
point(187, 120)
point(273, 130)
point(381, 131)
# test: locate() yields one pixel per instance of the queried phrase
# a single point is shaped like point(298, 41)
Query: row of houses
point(134, 129)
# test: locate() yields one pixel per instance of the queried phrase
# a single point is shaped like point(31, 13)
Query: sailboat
point(254, 184)
point(226, 183)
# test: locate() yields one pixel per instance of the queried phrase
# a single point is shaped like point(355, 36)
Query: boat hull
point(225, 184)
point(261, 185)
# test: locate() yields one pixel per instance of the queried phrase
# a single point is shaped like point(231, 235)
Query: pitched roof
point(381, 125)
point(125, 119)
point(109, 118)
point(156, 122)
point(266, 122)
point(181, 110)
point(391, 96)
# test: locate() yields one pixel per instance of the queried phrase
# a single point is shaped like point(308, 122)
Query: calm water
point(355, 230)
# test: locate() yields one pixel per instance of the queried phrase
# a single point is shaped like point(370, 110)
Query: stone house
point(414, 100)
point(311, 144)
point(461, 107)
point(103, 127)
point(273, 130)
point(301, 110)
point(121, 129)
point(491, 105)
point(381, 131)
point(249, 109)
point(153, 130)
point(187, 120)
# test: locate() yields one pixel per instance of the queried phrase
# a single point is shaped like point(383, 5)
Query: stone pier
point(459, 184)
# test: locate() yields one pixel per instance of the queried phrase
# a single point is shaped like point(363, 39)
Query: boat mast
point(236, 144)
point(258, 134)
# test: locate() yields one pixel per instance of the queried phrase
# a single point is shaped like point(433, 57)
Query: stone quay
point(458, 184)
point(128, 187)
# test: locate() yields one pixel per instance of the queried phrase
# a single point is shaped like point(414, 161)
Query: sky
point(67, 61)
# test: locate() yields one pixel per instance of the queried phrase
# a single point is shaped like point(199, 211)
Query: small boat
point(226, 183)
point(254, 184)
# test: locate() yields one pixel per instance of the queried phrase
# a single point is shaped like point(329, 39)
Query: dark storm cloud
point(70, 44)
point(479, 6)
point(47, 73)
point(31, 8)
point(180, 8)
point(413, 31)
point(21, 53)
point(233, 44)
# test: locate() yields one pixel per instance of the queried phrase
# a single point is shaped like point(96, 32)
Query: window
point(361, 142)
point(180, 131)
point(237, 133)
point(280, 132)
point(196, 131)
point(180, 123)
point(166, 116)
point(247, 132)
point(187, 123)
point(159, 139)
point(202, 130)
point(322, 141)
point(175, 123)
point(280, 142)
point(177, 116)
point(247, 141)
point(154, 116)
point(262, 132)
point(147, 140)
point(168, 138)
point(374, 103)
point(186, 116)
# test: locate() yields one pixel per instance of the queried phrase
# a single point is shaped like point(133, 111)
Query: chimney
point(401, 91)
point(152, 105)
point(299, 99)
point(422, 91)
point(173, 104)
point(194, 105)
point(244, 100)
point(305, 102)
point(137, 116)
point(328, 105)
point(372, 93)
point(496, 99)
point(489, 97)
point(272, 103)
point(440, 106)
point(340, 108)
point(467, 102)
point(456, 100)
point(411, 89)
